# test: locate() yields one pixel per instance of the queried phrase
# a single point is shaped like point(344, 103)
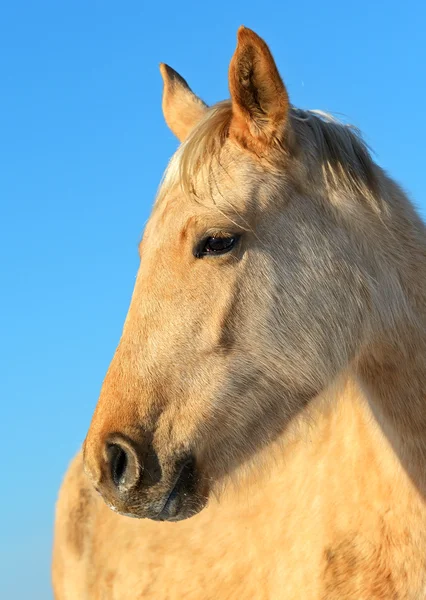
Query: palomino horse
point(270, 379)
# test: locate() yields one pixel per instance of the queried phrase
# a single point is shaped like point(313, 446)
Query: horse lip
point(162, 514)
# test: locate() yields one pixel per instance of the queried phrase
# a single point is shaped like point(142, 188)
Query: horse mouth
point(181, 502)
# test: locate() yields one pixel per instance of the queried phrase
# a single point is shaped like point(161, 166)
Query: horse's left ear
point(260, 103)
point(182, 109)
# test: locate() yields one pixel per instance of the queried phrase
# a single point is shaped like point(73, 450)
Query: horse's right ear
point(260, 103)
point(182, 109)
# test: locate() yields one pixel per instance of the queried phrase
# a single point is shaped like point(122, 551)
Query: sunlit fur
point(294, 369)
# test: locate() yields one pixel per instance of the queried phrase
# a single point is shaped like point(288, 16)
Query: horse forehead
point(172, 222)
point(168, 216)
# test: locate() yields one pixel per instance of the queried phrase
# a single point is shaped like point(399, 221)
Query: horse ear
point(260, 103)
point(182, 109)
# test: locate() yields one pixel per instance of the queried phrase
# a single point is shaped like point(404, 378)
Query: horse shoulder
point(72, 541)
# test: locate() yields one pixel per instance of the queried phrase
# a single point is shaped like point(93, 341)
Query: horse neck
point(392, 369)
point(394, 380)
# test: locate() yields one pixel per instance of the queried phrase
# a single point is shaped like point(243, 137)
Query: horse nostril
point(118, 462)
point(122, 460)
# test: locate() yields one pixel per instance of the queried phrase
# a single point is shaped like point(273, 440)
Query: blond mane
point(334, 148)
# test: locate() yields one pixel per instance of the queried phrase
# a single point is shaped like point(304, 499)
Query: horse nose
point(123, 463)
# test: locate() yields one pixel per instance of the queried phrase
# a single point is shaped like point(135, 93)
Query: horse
point(264, 416)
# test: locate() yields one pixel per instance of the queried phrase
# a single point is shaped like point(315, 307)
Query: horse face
point(245, 291)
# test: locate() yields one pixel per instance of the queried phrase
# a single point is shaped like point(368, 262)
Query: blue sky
point(83, 146)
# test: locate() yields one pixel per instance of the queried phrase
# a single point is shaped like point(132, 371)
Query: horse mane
point(341, 152)
point(334, 147)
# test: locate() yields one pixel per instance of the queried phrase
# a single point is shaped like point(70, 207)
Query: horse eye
point(215, 245)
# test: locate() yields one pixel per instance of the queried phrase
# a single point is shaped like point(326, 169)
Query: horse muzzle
point(134, 483)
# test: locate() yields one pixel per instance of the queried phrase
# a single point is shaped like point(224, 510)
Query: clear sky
point(82, 149)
